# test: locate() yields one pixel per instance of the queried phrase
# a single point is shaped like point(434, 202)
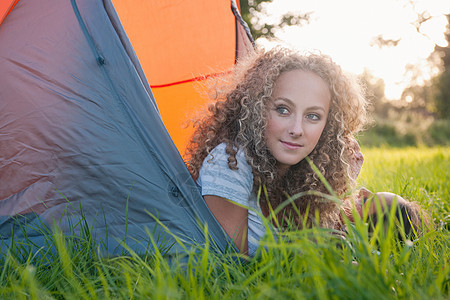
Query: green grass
point(307, 264)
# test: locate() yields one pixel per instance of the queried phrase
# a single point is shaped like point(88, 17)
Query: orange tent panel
point(178, 43)
point(5, 7)
point(178, 105)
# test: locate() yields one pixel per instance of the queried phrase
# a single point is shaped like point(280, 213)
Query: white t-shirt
point(217, 179)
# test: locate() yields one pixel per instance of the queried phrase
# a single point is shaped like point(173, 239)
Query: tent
point(81, 135)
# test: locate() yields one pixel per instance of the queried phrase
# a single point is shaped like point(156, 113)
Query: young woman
point(277, 108)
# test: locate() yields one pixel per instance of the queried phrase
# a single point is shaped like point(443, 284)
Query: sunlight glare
point(345, 29)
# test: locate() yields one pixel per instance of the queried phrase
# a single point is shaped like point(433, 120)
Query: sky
point(345, 29)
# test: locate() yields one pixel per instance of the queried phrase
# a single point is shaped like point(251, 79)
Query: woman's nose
point(296, 128)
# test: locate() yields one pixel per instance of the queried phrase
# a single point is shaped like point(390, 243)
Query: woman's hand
point(356, 158)
point(383, 200)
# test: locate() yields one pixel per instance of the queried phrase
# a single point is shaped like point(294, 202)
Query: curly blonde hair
point(238, 117)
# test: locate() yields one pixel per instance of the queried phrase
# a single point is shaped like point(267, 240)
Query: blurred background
point(398, 48)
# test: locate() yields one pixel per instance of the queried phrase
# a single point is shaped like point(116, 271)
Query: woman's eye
point(282, 110)
point(313, 117)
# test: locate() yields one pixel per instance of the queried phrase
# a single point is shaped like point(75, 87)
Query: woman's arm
point(232, 218)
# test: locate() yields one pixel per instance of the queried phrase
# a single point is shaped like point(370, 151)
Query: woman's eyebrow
point(290, 102)
point(316, 108)
point(284, 99)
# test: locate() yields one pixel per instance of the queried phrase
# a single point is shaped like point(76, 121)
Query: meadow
point(307, 264)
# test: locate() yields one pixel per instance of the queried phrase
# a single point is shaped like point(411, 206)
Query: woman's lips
point(292, 146)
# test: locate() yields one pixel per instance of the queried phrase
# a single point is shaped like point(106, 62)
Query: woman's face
point(297, 116)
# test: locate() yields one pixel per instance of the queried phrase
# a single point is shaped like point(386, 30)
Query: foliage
point(440, 132)
point(255, 11)
point(434, 95)
point(307, 264)
point(402, 127)
point(442, 98)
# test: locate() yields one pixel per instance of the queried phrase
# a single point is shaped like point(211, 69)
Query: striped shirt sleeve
point(217, 179)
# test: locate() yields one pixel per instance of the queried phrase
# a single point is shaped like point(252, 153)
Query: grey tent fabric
point(80, 135)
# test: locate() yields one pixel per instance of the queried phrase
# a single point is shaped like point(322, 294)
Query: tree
point(438, 89)
point(374, 88)
point(442, 82)
point(433, 94)
point(254, 11)
point(381, 42)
